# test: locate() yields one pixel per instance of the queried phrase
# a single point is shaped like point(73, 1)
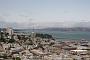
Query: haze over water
point(44, 13)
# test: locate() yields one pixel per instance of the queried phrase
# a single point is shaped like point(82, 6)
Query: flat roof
point(78, 50)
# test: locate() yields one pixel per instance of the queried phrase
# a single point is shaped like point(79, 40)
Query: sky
point(44, 13)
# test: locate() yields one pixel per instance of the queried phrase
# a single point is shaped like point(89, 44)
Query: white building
point(9, 30)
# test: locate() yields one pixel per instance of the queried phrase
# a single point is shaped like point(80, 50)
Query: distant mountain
point(56, 29)
point(78, 26)
point(68, 29)
point(84, 24)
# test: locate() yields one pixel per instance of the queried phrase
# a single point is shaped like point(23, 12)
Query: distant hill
point(56, 29)
point(69, 29)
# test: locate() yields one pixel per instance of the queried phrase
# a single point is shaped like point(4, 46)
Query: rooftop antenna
point(33, 28)
point(33, 36)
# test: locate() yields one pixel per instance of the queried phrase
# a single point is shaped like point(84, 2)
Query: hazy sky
point(43, 13)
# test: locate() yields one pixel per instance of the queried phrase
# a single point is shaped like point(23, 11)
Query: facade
point(9, 30)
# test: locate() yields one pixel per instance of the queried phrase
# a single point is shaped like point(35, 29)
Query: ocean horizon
point(62, 35)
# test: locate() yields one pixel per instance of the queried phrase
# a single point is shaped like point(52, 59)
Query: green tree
point(43, 35)
point(17, 58)
point(2, 39)
point(11, 41)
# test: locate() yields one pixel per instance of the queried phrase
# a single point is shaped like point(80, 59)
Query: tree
point(2, 39)
point(17, 58)
point(43, 35)
point(19, 37)
point(11, 41)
